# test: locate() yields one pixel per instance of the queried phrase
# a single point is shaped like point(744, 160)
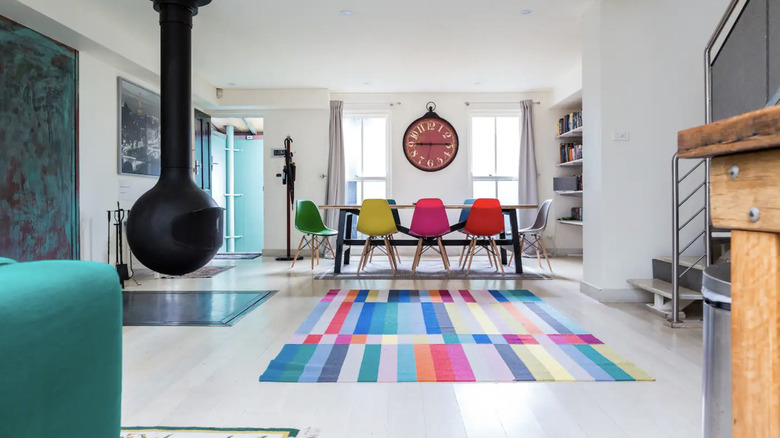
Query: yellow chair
point(377, 222)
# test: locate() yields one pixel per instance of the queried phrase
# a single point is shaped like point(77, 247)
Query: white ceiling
point(384, 46)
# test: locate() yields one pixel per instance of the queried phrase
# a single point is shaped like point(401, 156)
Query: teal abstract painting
point(38, 146)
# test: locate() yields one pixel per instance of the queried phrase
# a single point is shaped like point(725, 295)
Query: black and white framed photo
point(139, 130)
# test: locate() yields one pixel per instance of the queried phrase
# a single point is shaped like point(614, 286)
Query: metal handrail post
point(707, 214)
point(675, 317)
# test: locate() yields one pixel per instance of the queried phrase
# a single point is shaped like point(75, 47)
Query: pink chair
point(429, 222)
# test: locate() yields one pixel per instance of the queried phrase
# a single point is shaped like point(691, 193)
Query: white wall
point(642, 73)
point(99, 182)
point(309, 131)
point(452, 184)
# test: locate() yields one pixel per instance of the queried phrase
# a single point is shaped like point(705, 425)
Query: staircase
point(677, 280)
point(662, 289)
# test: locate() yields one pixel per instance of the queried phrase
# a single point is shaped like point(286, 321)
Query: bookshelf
point(573, 133)
point(573, 163)
point(567, 183)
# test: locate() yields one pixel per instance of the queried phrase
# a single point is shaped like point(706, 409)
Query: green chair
point(309, 222)
point(61, 349)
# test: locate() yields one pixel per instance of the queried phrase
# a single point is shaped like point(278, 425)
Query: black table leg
point(503, 250)
point(349, 236)
point(516, 241)
point(339, 242)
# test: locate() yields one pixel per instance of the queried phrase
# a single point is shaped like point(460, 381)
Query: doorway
point(237, 181)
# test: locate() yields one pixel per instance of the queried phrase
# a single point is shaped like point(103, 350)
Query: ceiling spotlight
point(345, 12)
point(526, 12)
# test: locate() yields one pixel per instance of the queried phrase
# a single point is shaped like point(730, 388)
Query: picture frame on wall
point(139, 130)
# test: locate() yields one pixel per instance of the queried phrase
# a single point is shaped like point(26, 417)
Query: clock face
point(430, 143)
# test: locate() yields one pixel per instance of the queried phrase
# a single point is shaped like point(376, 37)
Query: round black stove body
point(175, 227)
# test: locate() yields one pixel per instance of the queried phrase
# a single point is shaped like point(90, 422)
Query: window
point(365, 152)
point(495, 156)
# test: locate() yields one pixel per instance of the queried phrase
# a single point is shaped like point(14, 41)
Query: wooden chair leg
point(317, 245)
point(536, 245)
point(363, 255)
point(491, 255)
point(462, 266)
point(462, 252)
point(471, 258)
point(495, 253)
point(443, 255)
point(395, 251)
point(541, 242)
point(327, 242)
point(390, 254)
point(298, 252)
point(417, 254)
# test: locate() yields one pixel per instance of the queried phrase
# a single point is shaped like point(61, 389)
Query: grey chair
point(535, 232)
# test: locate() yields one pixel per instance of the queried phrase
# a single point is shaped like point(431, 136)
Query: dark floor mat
point(193, 308)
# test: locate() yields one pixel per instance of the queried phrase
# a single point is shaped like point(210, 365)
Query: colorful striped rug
point(443, 336)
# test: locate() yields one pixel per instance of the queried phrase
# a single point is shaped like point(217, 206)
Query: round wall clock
point(430, 142)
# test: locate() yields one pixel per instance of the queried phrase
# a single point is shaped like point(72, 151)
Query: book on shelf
point(570, 122)
point(570, 152)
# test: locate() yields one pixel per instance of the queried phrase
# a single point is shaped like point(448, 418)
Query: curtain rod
point(496, 103)
point(374, 103)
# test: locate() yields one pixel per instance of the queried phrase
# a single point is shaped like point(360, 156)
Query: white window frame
point(349, 113)
point(489, 113)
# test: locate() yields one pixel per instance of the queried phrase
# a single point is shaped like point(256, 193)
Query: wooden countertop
point(749, 132)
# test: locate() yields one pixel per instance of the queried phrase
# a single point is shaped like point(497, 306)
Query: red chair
point(485, 221)
point(429, 222)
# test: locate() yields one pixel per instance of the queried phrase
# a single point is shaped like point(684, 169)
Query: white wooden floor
point(192, 376)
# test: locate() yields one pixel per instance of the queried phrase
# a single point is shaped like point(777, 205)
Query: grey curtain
point(527, 180)
point(335, 193)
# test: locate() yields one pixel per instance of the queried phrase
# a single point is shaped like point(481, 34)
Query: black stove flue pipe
point(175, 227)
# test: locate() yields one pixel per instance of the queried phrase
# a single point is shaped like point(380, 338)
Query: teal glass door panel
point(249, 206)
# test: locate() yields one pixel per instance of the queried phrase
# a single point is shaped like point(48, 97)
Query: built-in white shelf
point(574, 133)
point(569, 222)
point(569, 192)
point(573, 163)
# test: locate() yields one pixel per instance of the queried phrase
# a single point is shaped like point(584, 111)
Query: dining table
point(348, 212)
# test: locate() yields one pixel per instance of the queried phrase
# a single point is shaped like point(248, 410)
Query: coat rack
point(288, 180)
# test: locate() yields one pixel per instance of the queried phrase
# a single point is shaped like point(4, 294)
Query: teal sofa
point(60, 350)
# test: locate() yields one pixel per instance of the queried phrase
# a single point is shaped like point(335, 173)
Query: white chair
point(535, 232)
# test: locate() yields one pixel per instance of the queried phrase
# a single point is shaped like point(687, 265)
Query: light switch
point(620, 136)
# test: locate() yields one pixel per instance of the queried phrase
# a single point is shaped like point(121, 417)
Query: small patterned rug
point(205, 432)
point(204, 272)
point(443, 336)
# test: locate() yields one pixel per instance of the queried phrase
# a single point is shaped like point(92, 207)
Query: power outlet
point(621, 136)
point(549, 236)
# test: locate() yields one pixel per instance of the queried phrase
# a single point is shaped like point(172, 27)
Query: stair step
point(686, 261)
point(721, 235)
point(664, 288)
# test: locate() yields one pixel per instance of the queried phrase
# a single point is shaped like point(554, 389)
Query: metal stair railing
point(674, 318)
